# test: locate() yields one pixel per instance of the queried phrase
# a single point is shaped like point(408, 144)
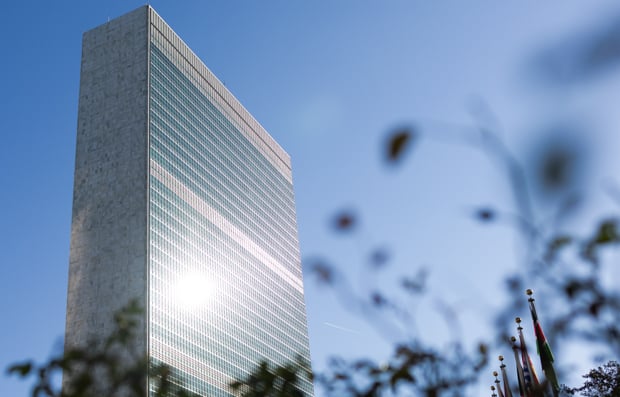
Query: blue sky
point(329, 80)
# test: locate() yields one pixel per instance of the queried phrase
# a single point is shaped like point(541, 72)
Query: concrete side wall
point(109, 225)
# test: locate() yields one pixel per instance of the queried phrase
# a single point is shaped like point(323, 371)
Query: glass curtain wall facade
point(222, 221)
point(182, 200)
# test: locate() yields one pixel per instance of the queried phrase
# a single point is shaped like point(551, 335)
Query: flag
point(507, 391)
point(529, 372)
point(520, 375)
point(544, 350)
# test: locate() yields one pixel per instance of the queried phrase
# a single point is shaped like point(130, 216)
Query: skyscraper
point(183, 201)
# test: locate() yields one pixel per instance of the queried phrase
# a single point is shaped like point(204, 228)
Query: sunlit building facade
point(184, 202)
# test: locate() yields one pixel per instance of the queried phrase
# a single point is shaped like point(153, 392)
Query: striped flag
point(544, 350)
point(529, 372)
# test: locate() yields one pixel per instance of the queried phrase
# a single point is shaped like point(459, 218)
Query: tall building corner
point(184, 202)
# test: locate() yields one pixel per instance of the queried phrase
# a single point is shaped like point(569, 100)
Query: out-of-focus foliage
point(108, 367)
point(581, 58)
point(413, 370)
point(603, 381)
point(273, 381)
point(399, 144)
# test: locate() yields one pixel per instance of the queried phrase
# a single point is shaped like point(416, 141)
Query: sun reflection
point(194, 290)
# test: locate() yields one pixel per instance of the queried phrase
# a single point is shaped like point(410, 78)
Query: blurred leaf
point(555, 168)
point(605, 234)
point(267, 380)
point(574, 287)
point(402, 375)
point(323, 272)
point(398, 142)
point(379, 257)
point(559, 163)
point(485, 214)
point(378, 299)
point(582, 57)
point(514, 283)
point(415, 284)
point(613, 333)
point(555, 245)
point(595, 308)
point(345, 221)
point(571, 203)
point(20, 369)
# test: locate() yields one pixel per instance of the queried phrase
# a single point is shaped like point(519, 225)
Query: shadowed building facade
point(183, 201)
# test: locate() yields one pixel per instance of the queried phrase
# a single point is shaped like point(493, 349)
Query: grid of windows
point(225, 286)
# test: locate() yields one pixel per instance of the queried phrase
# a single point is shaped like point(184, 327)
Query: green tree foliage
point(413, 370)
point(603, 381)
point(273, 381)
point(107, 367)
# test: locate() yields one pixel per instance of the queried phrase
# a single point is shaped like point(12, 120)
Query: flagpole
point(493, 391)
point(520, 376)
point(497, 386)
point(544, 350)
point(502, 367)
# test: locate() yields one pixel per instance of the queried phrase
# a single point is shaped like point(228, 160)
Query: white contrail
point(341, 328)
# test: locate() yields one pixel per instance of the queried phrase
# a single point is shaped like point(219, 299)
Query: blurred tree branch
point(109, 367)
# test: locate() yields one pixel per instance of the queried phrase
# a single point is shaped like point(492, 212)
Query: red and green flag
point(544, 350)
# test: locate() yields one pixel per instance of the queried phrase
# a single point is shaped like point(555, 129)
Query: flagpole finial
point(529, 292)
point(518, 321)
point(497, 382)
point(501, 358)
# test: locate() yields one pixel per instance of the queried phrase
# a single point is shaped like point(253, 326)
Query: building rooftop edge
point(280, 152)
